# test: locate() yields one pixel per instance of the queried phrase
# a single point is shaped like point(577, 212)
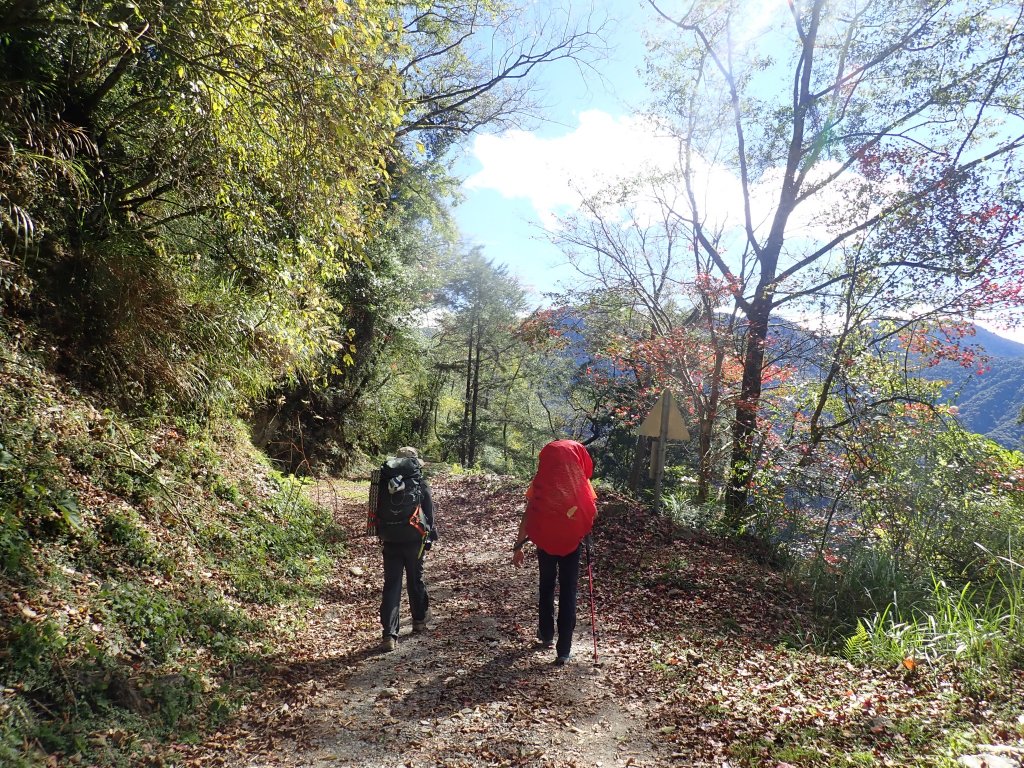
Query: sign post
point(665, 423)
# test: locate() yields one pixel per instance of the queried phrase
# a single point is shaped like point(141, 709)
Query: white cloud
point(1007, 324)
point(553, 173)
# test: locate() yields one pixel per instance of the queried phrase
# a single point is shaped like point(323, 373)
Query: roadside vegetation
point(140, 560)
point(228, 267)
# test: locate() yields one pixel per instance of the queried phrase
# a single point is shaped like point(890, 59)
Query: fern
point(857, 645)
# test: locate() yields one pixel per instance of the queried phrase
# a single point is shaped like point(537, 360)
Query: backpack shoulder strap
point(373, 503)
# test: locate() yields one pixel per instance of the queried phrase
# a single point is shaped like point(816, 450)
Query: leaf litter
point(697, 664)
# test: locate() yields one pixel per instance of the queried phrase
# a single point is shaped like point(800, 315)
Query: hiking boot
point(561, 660)
point(388, 644)
point(421, 625)
point(540, 642)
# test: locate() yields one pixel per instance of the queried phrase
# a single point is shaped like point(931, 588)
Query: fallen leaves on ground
point(694, 664)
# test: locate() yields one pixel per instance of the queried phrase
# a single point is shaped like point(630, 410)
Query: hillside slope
point(988, 393)
point(991, 401)
point(167, 598)
point(139, 560)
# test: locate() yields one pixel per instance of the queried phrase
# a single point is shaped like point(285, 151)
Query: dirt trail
point(472, 691)
point(697, 664)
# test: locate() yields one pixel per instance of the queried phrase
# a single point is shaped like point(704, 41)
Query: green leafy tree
point(896, 499)
point(482, 303)
point(181, 182)
point(464, 67)
point(874, 149)
point(357, 401)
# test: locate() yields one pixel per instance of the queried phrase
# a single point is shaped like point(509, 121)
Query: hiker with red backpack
point(560, 510)
point(403, 519)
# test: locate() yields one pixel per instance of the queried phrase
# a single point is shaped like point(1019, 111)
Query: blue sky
point(500, 209)
point(516, 182)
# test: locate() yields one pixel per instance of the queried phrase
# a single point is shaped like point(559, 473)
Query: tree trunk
point(475, 404)
point(464, 429)
point(704, 461)
point(706, 423)
point(505, 417)
point(745, 424)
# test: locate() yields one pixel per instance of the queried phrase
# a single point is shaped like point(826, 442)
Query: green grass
point(132, 553)
point(977, 633)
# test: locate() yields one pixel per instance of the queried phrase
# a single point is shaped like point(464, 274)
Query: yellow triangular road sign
point(651, 426)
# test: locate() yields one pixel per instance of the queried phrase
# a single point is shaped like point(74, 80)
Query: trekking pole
point(593, 611)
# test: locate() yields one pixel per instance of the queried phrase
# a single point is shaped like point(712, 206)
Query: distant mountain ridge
point(989, 403)
point(996, 345)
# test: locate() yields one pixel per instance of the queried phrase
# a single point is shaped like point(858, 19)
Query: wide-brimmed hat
point(408, 452)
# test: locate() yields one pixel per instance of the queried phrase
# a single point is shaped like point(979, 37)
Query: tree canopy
point(179, 182)
point(875, 155)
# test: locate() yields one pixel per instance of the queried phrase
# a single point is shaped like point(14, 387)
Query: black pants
point(399, 559)
point(564, 569)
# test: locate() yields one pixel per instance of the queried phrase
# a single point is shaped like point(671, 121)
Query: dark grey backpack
point(398, 508)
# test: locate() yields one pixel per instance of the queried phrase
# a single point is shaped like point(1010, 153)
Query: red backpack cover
point(562, 503)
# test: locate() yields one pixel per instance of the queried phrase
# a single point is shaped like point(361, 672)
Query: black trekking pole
point(593, 611)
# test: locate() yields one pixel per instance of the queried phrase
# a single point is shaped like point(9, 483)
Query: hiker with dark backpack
point(402, 515)
point(560, 510)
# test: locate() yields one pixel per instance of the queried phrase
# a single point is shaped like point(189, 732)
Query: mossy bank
point(142, 559)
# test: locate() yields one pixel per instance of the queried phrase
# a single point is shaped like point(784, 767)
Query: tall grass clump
point(977, 630)
point(685, 513)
